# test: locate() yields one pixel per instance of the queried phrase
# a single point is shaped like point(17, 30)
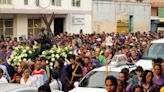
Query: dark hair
point(159, 60)
point(71, 56)
point(144, 77)
point(125, 70)
point(44, 88)
point(138, 87)
point(125, 74)
point(159, 65)
point(112, 79)
point(1, 71)
point(3, 46)
point(139, 68)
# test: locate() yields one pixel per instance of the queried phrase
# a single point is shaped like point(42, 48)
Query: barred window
point(6, 27)
point(25, 2)
point(56, 2)
point(76, 3)
point(5, 1)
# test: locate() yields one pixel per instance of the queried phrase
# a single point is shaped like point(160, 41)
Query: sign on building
point(78, 19)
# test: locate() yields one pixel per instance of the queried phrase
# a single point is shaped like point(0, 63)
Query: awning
point(157, 18)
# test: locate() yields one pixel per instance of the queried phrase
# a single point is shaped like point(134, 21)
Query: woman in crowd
point(158, 78)
point(111, 84)
point(27, 79)
point(147, 82)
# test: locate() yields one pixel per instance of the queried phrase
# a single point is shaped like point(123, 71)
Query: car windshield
point(96, 79)
point(155, 50)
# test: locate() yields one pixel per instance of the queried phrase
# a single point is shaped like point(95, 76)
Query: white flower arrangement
point(55, 53)
point(23, 54)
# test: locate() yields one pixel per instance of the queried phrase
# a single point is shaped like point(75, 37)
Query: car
point(94, 81)
point(12, 87)
point(153, 51)
point(118, 60)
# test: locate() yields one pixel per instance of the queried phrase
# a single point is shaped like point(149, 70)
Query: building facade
point(121, 16)
point(24, 17)
point(157, 14)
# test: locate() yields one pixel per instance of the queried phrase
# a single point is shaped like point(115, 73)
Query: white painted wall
point(66, 5)
point(20, 25)
point(75, 28)
point(106, 13)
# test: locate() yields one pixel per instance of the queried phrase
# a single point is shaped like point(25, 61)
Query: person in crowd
point(111, 84)
point(74, 71)
point(107, 56)
point(46, 68)
point(39, 74)
point(123, 77)
point(99, 56)
point(44, 88)
point(27, 79)
point(147, 82)
point(5, 71)
point(135, 80)
point(2, 79)
point(56, 83)
point(17, 78)
point(162, 64)
point(158, 78)
point(138, 89)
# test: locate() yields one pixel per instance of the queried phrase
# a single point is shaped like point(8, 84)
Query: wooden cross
point(48, 23)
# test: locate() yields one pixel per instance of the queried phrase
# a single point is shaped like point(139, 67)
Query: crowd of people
point(90, 51)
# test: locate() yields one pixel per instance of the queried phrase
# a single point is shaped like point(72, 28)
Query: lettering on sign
point(78, 20)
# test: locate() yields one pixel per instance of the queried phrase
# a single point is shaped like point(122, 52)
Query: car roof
point(13, 87)
point(158, 41)
point(115, 68)
point(7, 87)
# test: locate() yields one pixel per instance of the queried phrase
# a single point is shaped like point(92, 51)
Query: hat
point(139, 68)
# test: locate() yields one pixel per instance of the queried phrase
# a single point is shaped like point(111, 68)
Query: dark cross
point(48, 23)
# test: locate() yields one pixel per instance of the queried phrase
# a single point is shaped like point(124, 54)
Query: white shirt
point(3, 80)
point(56, 85)
point(5, 72)
point(30, 81)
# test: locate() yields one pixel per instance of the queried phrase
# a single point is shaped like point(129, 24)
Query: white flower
point(51, 64)
point(70, 52)
point(16, 48)
point(24, 51)
point(19, 60)
point(25, 55)
point(57, 56)
point(54, 46)
point(30, 52)
point(53, 55)
point(51, 51)
point(35, 47)
point(24, 59)
point(35, 42)
point(27, 48)
point(19, 57)
point(44, 52)
point(18, 64)
point(52, 59)
point(64, 54)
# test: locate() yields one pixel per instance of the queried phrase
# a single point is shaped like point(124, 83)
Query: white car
point(94, 81)
point(11, 87)
point(154, 51)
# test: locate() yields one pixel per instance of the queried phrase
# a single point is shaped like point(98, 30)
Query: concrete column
point(21, 26)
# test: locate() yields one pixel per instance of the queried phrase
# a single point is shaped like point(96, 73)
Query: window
point(6, 27)
point(5, 1)
point(25, 2)
point(76, 3)
point(33, 27)
point(56, 2)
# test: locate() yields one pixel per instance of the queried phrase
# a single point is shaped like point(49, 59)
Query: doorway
point(131, 23)
point(58, 26)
